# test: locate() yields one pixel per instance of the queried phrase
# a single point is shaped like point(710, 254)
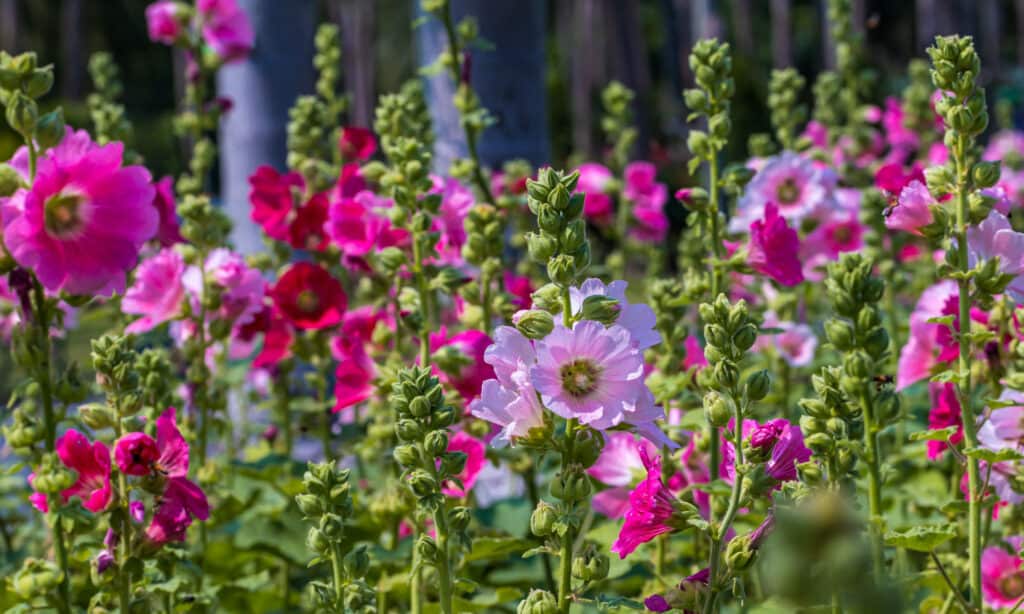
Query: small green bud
point(50, 129)
point(745, 337)
point(406, 455)
point(96, 416)
point(600, 308)
point(985, 174)
point(538, 602)
point(309, 505)
point(562, 270)
point(316, 540)
point(548, 297)
point(458, 518)
point(357, 562)
point(758, 385)
point(22, 114)
point(419, 407)
point(589, 444)
point(541, 247)
point(543, 519)
point(426, 547)
point(840, 334)
point(10, 180)
point(716, 409)
point(535, 324)
point(436, 442)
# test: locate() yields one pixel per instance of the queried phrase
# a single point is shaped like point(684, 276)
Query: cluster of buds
point(787, 113)
point(711, 63)
point(485, 234)
point(114, 360)
point(827, 110)
point(203, 225)
point(108, 117)
point(617, 123)
point(832, 429)
point(730, 331)
point(538, 601)
point(327, 502)
point(156, 379)
point(561, 241)
point(22, 83)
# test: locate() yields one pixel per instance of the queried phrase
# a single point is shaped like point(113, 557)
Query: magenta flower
point(793, 184)
point(929, 343)
point(91, 461)
point(226, 29)
point(272, 197)
point(593, 183)
point(182, 499)
point(894, 178)
point(510, 400)
point(242, 287)
point(945, 412)
point(356, 143)
point(637, 318)
point(163, 22)
point(359, 224)
point(82, 222)
point(618, 466)
point(648, 197)
point(782, 441)
point(995, 238)
point(158, 293)
point(456, 201)
point(774, 248)
point(913, 209)
point(1002, 576)
point(169, 231)
point(589, 372)
point(651, 509)
point(520, 288)
point(834, 236)
point(472, 344)
point(353, 378)
point(136, 453)
point(474, 450)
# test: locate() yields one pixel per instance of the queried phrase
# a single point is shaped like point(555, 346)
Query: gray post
point(262, 88)
point(509, 80)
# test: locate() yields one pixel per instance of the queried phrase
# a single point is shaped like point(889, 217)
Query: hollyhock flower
point(163, 22)
point(589, 372)
point(358, 225)
point(353, 379)
point(169, 231)
point(618, 467)
point(593, 183)
point(182, 499)
point(92, 464)
point(1002, 575)
point(272, 197)
point(170, 522)
point(306, 230)
point(1005, 146)
point(242, 287)
point(694, 354)
point(653, 509)
point(648, 198)
point(637, 318)
point(774, 248)
point(796, 343)
point(893, 177)
point(158, 293)
point(521, 289)
point(135, 454)
point(497, 482)
point(309, 297)
point(945, 412)
point(510, 400)
point(83, 220)
point(474, 450)
point(356, 143)
point(913, 209)
point(658, 603)
point(789, 182)
point(226, 29)
point(473, 345)
point(1004, 427)
point(833, 237)
point(929, 343)
point(350, 183)
point(896, 133)
point(1001, 478)
point(993, 238)
point(456, 201)
point(782, 443)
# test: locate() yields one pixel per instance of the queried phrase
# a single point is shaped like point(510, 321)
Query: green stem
point(338, 573)
point(530, 477)
point(416, 584)
point(485, 300)
point(569, 538)
point(124, 588)
point(874, 484)
point(424, 294)
point(716, 249)
point(444, 558)
point(718, 539)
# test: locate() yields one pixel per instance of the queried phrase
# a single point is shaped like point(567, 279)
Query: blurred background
point(541, 74)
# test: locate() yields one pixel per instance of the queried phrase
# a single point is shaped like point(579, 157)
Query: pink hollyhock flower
point(510, 400)
point(637, 318)
point(83, 220)
point(521, 289)
point(796, 343)
point(658, 603)
point(784, 443)
point(272, 196)
point(168, 232)
point(277, 340)
point(359, 323)
point(618, 467)
point(182, 499)
point(1004, 427)
point(929, 343)
point(694, 354)
point(896, 133)
point(473, 345)
point(1005, 145)
point(774, 248)
point(995, 238)
point(158, 293)
point(893, 177)
point(474, 449)
point(163, 22)
point(593, 183)
point(309, 297)
point(789, 182)
point(306, 230)
point(835, 236)
point(945, 412)
point(350, 182)
point(353, 379)
point(913, 209)
point(356, 143)
point(92, 464)
point(648, 198)
point(1001, 479)
point(1002, 575)
point(242, 287)
point(358, 225)
point(653, 509)
point(135, 454)
point(589, 372)
point(456, 201)
point(226, 29)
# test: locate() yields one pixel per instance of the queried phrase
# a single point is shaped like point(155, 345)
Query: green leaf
point(1002, 403)
point(488, 548)
point(934, 435)
point(946, 377)
point(923, 538)
point(539, 550)
point(955, 507)
point(612, 602)
point(994, 456)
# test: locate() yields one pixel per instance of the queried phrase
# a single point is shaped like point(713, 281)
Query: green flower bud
point(877, 343)
point(36, 578)
point(409, 430)
point(96, 416)
point(857, 365)
point(985, 174)
point(716, 335)
point(559, 197)
point(426, 547)
point(840, 334)
point(436, 443)
point(10, 180)
point(535, 324)
point(317, 541)
point(419, 407)
point(819, 443)
point(543, 519)
point(574, 235)
point(726, 374)
point(716, 409)
point(50, 129)
point(589, 444)
point(745, 337)
point(458, 518)
point(357, 562)
point(309, 505)
point(22, 114)
point(603, 309)
point(562, 270)
point(757, 385)
point(738, 553)
point(541, 247)
point(39, 82)
point(538, 602)
point(548, 297)
point(580, 570)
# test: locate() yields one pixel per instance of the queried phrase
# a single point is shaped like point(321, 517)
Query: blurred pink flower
point(158, 293)
point(472, 344)
point(945, 412)
point(637, 318)
point(618, 467)
point(168, 232)
point(791, 184)
point(593, 183)
point(1002, 575)
point(356, 143)
point(226, 28)
point(474, 449)
point(774, 248)
point(163, 22)
point(913, 209)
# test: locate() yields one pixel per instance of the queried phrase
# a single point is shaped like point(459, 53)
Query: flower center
point(1012, 585)
point(579, 377)
point(63, 214)
point(307, 301)
point(788, 192)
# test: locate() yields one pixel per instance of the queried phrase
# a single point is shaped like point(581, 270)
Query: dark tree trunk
point(358, 20)
point(933, 17)
point(989, 38)
point(585, 57)
point(828, 49)
point(263, 87)
point(631, 67)
point(72, 70)
point(743, 27)
point(782, 37)
point(9, 25)
point(509, 80)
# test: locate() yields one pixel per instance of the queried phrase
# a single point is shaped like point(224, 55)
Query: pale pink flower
point(929, 343)
point(1005, 145)
point(593, 183)
point(792, 183)
point(995, 238)
point(913, 209)
point(1002, 575)
point(81, 224)
point(637, 318)
point(618, 466)
point(509, 401)
point(1004, 427)
point(242, 287)
point(158, 293)
point(795, 344)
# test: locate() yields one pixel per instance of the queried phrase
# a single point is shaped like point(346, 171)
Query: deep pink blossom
point(226, 28)
point(894, 177)
point(136, 453)
point(474, 449)
point(91, 461)
point(929, 343)
point(651, 509)
point(774, 248)
point(1002, 574)
point(618, 466)
point(356, 143)
point(913, 209)
point(163, 22)
point(945, 412)
point(182, 499)
point(306, 230)
point(648, 198)
point(353, 378)
point(272, 196)
point(456, 201)
point(169, 231)
point(309, 297)
point(472, 344)
point(521, 289)
point(158, 292)
point(81, 223)
point(593, 183)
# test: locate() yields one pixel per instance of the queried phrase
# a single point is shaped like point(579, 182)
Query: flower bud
point(738, 554)
point(548, 297)
point(22, 114)
point(603, 309)
point(316, 540)
point(426, 548)
point(96, 416)
point(408, 430)
point(422, 483)
point(562, 269)
point(857, 365)
point(419, 407)
point(758, 385)
point(357, 562)
point(39, 82)
point(726, 374)
point(541, 246)
point(50, 129)
point(535, 324)
point(559, 197)
point(538, 602)
point(543, 519)
point(458, 518)
point(10, 180)
point(589, 444)
point(574, 235)
point(36, 578)
point(436, 442)
point(716, 409)
point(840, 334)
